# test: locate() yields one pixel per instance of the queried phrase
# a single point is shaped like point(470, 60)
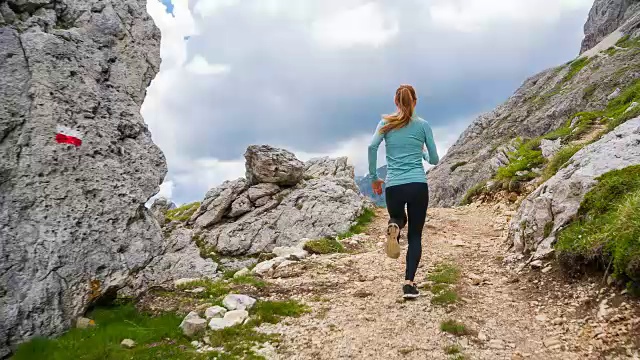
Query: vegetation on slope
point(607, 227)
point(183, 213)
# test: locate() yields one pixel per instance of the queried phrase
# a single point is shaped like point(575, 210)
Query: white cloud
point(199, 65)
point(207, 8)
point(366, 24)
point(166, 191)
point(479, 15)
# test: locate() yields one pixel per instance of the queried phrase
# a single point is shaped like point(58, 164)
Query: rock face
point(542, 104)
point(72, 221)
point(556, 202)
point(160, 207)
point(266, 164)
point(606, 16)
point(238, 219)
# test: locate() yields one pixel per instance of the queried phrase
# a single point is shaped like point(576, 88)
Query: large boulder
point(327, 166)
point(555, 203)
point(216, 203)
point(73, 225)
point(266, 164)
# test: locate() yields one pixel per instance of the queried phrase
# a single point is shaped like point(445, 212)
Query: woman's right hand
point(376, 186)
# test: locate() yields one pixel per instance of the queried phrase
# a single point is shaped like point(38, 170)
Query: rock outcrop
point(555, 203)
point(243, 217)
point(606, 16)
point(73, 225)
point(542, 104)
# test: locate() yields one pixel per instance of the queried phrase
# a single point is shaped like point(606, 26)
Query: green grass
point(627, 42)
point(454, 327)
point(575, 67)
point(607, 226)
point(360, 226)
point(472, 193)
point(445, 274)
point(526, 157)
point(249, 280)
point(183, 213)
point(102, 342)
point(611, 51)
point(206, 251)
point(588, 92)
point(213, 289)
point(559, 160)
point(237, 342)
point(272, 312)
point(445, 297)
point(324, 246)
point(452, 349)
point(457, 165)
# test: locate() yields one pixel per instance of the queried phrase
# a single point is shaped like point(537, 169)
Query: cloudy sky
point(314, 76)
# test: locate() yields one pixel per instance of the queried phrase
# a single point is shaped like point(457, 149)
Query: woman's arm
point(432, 150)
point(373, 152)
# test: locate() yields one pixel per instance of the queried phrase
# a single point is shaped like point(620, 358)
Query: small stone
point(241, 272)
point(84, 323)
point(475, 279)
point(614, 94)
point(238, 302)
point(264, 267)
point(290, 253)
point(496, 344)
point(552, 343)
point(557, 321)
point(536, 264)
point(482, 336)
point(197, 290)
point(547, 269)
point(193, 326)
point(631, 107)
point(184, 281)
point(231, 318)
point(285, 264)
point(128, 343)
point(541, 318)
point(196, 344)
point(214, 312)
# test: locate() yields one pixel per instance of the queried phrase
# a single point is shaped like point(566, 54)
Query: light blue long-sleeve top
point(404, 152)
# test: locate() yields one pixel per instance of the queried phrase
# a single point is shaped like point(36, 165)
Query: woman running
point(405, 136)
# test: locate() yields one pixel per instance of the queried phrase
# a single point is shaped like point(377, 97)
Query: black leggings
point(416, 197)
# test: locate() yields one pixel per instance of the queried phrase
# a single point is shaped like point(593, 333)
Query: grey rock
point(263, 201)
point(550, 147)
point(290, 252)
point(605, 17)
point(326, 166)
point(557, 201)
point(179, 258)
point(84, 323)
point(632, 106)
point(193, 325)
point(238, 302)
point(217, 202)
point(614, 94)
point(266, 164)
point(160, 207)
point(72, 222)
point(260, 191)
point(240, 206)
point(215, 312)
point(264, 267)
point(231, 318)
point(235, 264)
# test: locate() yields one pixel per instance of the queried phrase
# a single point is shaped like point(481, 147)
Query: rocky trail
point(357, 311)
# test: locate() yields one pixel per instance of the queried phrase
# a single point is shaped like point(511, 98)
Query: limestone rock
point(84, 323)
point(215, 312)
point(216, 203)
point(232, 318)
point(556, 202)
point(179, 259)
point(325, 166)
point(260, 191)
point(73, 225)
point(242, 272)
point(266, 164)
point(193, 327)
point(238, 302)
point(240, 206)
point(605, 17)
point(264, 267)
point(290, 252)
point(128, 343)
point(159, 208)
point(550, 147)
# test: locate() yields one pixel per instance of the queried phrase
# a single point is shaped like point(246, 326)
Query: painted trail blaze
point(66, 135)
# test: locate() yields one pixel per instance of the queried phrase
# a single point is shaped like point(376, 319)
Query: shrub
point(526, 157)
point(472, 193)
point(575, 67)
point(360, 226)
point(324, 246)
point(454, 327)
point(183, 213)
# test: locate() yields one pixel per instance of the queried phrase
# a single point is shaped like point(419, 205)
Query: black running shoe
point(410, 291)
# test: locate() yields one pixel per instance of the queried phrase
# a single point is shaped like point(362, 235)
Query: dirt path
point(357, 311)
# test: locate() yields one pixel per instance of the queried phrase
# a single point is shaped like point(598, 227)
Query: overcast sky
point(314, 76)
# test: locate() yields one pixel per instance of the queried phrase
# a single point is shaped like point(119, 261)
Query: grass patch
point(248, 280)
point(475, 191)
point(445, 274)
point(212, 289)
point(445, 297)
point(588, 92)
point(527, 156)
point(627, 42)
point(454, 327)
point(452, 349)
point(360, 226)
point(183, 213)
point(548, 228)
point(237, 342)
point(607, 226)
point(206, 251)
point(324, 246)
point(114, 324)
point(575, 67)
point(457, 165)
point(272, 312)
point(560, 160)
point(611, 51)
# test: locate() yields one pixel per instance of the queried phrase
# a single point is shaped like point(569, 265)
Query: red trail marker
point(66, 135)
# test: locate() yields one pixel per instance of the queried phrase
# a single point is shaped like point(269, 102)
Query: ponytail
point(404, 99)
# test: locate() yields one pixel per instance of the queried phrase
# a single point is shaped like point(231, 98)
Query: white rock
point(231, 318)
point(193, 326)
point(536, 264)
point(632, 106)
point(550, 147)
point(475, 279)
point(264, 267)
point(196, 344)
point(238, 302)
point(547, 269)
point(290, 252)
point(84, 323)
point(197, 290)
point(482, 336)
point(614, 94)
point(214, 312)
point(128, 343)
point(242, 272)
point(191, 315)
point(496, 344)
point(541, 317)
point(184, 281)
point(285, 264)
